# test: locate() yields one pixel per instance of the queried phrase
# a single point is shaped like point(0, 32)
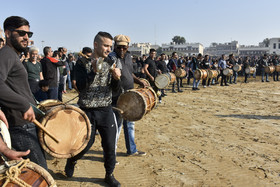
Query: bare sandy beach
point(217, 136)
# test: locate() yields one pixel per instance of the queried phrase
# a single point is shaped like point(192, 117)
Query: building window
point(279, 46)
point(274, 46)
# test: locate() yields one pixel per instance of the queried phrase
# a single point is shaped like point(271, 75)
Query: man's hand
point(29, 115)
point(116, 73)
point(3, 118)
point(14, 155)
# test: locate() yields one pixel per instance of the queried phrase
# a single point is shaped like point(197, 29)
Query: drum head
point(162, 81)
point(247, 70)
point(71, 126)
point(197, 74)
point(5, 134)
point(133, 105)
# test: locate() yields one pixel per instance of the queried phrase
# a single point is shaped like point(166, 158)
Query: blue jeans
point(25, 137)
point(235, 75)
point(69, 81)
point(195, 83)
point(266, 75)
point(128, 128)
point(53, 93)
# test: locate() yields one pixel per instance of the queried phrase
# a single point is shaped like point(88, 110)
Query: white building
point(139, 49)
point(187, 49)
point(274, 46)
point(217, 49)
point(253, 50)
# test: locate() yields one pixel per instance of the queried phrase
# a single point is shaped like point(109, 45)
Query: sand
point(217, 136)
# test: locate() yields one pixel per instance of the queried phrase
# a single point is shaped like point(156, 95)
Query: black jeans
point(25, 137)
point(103, 120)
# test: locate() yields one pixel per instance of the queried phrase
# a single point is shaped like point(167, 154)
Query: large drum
point(162, 81)
point(136, 103)
point(277, 68)
point(179, 72)
point(142, 79)
point(24, 173)
point(200, 74)
point(212, 73)
point(5, 135)
point(237, 68)
point(172, 77)
point(228, 72)
point(250, 70)
point(67, 123)
point(269, 69)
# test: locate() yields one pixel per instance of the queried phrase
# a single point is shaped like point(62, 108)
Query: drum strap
point(13, 172)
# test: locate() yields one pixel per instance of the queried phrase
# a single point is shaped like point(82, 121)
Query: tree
point(266, 42)
point(159, 50)
point(179, 40)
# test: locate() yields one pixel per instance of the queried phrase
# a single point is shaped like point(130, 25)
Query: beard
point(16, 44)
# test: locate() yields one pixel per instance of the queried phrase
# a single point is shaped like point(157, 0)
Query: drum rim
point(44, 121)
point(35, 168)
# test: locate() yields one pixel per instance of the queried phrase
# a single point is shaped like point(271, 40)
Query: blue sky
point(73, 24)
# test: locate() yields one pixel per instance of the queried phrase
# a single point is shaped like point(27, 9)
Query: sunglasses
point(23, 33)
point(122, 47)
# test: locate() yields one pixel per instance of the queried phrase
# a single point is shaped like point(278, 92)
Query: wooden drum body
point(179, 72)
point(250, 70)
point(212, 73)
point(136, 103)
point(237, 68)
point(269, 69)
point(200, 74)
point(228, 72)
point(172, 77)
point(25, 173)
point(277, 68)
point(162, 81)
point(70, 125)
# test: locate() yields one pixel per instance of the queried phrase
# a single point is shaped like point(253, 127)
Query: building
point(187, 49)
point(217, 49)
point(253, 50)
point(274, 46)
point(139, 49)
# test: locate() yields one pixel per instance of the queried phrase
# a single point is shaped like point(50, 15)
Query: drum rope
point(13, 172)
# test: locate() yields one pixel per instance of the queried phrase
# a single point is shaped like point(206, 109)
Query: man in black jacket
point(15, 94)
point(49, 69)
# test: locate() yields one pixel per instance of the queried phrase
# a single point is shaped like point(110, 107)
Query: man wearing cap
point(127, 82)
point(15, 94)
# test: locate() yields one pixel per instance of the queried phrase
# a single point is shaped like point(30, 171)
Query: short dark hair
point(14, 22)
point(86, 50)
point(46, 50)
point(43, 83)
point(174, 53)
point(55, 53)
point(162, 54)
point(60, 49)
point(152, 50)
point(100, 34)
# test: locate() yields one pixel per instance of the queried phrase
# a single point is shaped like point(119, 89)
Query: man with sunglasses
point(15, 94)
point(127, 82)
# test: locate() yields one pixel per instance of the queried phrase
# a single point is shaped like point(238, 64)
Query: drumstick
point(45, 130)
point(118, 109)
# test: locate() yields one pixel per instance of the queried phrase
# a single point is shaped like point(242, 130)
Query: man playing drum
point(222, 66)
point(162, 66)
point(95, 98)
point(263, 64)
point(127, 82)
point(173, 65)
point(15, 95)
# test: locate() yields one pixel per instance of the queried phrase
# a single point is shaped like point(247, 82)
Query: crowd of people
point(99, 76)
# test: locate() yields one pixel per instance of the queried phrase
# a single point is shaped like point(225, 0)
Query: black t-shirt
point(152, 66)
point(161, 65)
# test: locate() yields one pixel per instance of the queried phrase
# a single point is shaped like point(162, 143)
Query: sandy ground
point(217, 136)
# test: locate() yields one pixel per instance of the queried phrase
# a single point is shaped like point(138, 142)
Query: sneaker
point(117, 163)
point(69, 168)
point(138, 153)
point(204, 86)
point(159, 101)
point(110, 179)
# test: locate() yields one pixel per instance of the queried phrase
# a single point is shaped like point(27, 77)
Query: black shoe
point(181, 86)
point(221, 85)
point(226, 84)
point(193, 88)
point(197, 88)
point(262, 81)
point(180, 90)
point(69, 168)
point(267, 81)
point(173, 91)
point(110, 179)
